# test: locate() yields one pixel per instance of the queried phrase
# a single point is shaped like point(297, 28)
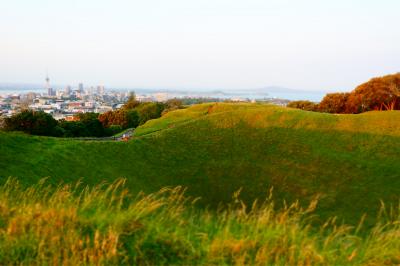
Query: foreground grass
point(103, 225)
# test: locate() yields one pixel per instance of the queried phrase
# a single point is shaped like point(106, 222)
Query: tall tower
point(48, 87)
point(47, 80)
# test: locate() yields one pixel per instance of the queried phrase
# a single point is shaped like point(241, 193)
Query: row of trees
point(131, 115)
point(43, 124)
point(382, 93)
point(135, 113)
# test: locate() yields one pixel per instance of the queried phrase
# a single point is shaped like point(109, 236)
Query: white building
point(161, 96)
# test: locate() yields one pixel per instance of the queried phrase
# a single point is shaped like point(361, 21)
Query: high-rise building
point(100, 90)
point(50, 91)
point(68, 90)
point(80, 87)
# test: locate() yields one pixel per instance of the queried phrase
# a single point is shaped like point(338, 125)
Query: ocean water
point(311, 96)
point(20, 91)
point(292, 96)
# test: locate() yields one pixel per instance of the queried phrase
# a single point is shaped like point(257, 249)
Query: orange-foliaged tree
point(334, 103)
point(381, 93)
point(123, 118)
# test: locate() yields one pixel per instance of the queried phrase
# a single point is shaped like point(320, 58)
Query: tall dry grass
point(105, 225)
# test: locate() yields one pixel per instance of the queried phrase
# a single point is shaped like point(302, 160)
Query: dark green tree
point(73, 129)
point(93, 126)
point(32, 122)
point(149, 111)
point(132, 118)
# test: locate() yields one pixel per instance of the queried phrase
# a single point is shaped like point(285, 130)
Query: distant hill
point(350, 161)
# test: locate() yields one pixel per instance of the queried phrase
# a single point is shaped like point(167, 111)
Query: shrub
point(113, 129)
point(171, 105)
point(303, 105)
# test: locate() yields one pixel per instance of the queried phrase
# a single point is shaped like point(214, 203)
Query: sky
point(319, 45)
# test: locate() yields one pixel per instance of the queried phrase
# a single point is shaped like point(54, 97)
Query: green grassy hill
point(351, 161)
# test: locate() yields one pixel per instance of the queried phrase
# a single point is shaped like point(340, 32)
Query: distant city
point(64, 103)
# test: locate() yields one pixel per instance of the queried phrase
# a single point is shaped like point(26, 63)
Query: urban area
point(65, 103)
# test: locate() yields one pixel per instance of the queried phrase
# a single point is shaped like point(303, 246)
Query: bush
point(303, 105)
point(171, 105)
point(113, 129)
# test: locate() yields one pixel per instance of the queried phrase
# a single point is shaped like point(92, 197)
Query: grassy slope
point(351, 161)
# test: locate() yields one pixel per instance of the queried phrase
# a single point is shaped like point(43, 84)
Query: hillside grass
point(106, 225)
point(350, 161)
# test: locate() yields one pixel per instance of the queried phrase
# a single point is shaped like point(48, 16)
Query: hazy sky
point(229, 44)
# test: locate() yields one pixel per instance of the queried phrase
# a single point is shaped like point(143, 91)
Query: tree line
point(132, 114)
point(378, 94)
